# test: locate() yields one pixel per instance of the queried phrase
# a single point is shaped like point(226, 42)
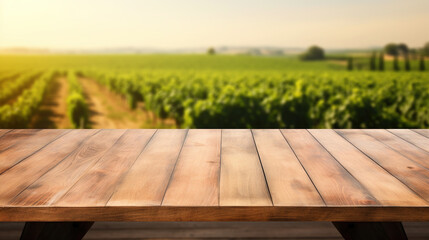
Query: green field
point(201, 91)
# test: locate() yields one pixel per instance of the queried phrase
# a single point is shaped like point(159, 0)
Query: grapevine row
point(11, 89)
point(278, 100)
point(20, 113)
point(77, 108)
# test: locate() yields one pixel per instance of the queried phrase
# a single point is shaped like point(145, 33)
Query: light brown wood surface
point(19, 144)
point(4, 131)
point(96, 186)
point(415, 176)
point(196, 188)
point(285, 175)
point(335, 184)
point(214, 175)
point(22, 175)
point(55, 183)
point(242, 180)
point(388, 190)
point(424, 132)
point(146, 182)
point(413, 137)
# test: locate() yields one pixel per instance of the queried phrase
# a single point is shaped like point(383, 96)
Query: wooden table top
point(214, 175)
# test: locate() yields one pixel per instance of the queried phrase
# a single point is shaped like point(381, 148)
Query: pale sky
point(172, 24)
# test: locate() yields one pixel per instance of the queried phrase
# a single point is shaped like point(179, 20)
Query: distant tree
point(407, 63)
point(372, 65)
point(381, 62)
point(403, 49)
point(211, 51)
point(314, 53)
point(350, 64)
point(413, 54)
point(395, 63)
point(426, 50)
point(391, 49)
point(422, 66)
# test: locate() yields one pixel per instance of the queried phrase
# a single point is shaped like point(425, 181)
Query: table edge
point(207, 214)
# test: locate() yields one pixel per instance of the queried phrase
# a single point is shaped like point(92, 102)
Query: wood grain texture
point(14, 136)
point(424, 132)
point(412, 137)
point(242, 181)
point(334, 183)
point(26, 172)
point(407, 171)
point(55, 183)
point(96, 186)
point(405, 148)
point(388, 190)
point(146, 182)
point(176, 175)
point(195, 180)
point(19, 144)
point(288, 182)
point(216, 213)
point(3, 132)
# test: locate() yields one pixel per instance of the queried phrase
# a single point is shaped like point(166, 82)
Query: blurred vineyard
point(208, 92)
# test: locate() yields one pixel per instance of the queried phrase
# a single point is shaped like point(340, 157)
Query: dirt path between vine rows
point(110, 110)
point(53, 111)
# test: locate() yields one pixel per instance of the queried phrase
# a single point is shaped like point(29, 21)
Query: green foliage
point(281, 100)
point(422, 66)
point(77, 108)
point(403, 49)
point(372, 65)
point(391, 49)
point(395, 63)
point(222, 92)
point(313, 53)
point(211, 51)
point(350, 64)
point(166, 62)
point(20, 112)
point(12, 88)
point(407, 63)
point(7, 76)
point(381, 62)
point(425, 49)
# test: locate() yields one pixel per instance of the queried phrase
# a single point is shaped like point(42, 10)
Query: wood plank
point(96, 186)
point(287, 180)
point(242, 181)
point(21, 143)
point(424, 132)
point(388, 190)
point(335, 184)
point(22, 175)
point(195, 180)
point(405, 148)
point(14, 136)
point(412, 137)
point(214, 213)
point(3, 132)
point(146, 182)
point(412, 174)
point(55, 183)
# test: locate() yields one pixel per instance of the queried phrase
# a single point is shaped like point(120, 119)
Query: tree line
point(396, 51)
